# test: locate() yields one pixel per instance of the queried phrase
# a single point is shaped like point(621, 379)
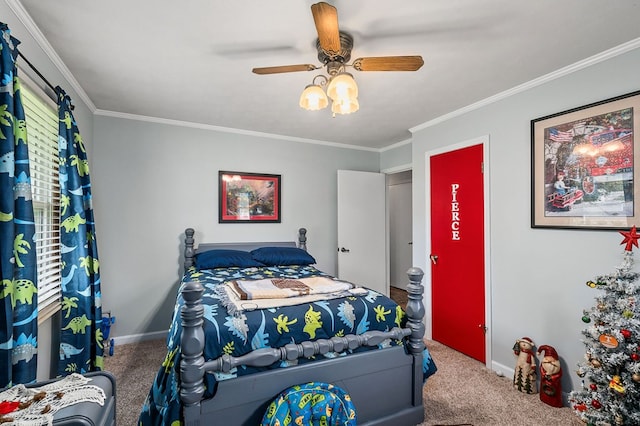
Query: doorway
point(399, 202)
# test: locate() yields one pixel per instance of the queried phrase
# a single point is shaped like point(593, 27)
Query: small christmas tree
point(610, 393)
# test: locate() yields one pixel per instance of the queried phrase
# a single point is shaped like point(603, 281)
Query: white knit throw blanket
point(48, 399)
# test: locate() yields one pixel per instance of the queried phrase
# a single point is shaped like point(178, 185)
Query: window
point(42, 132)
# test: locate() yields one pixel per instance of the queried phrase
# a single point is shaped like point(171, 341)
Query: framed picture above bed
point(585, 165)
point(248, 197)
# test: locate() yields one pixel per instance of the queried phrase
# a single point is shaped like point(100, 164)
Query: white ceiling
point(191, 60)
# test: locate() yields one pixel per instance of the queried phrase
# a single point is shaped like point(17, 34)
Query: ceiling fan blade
point(389, 63)
point(284, 68)
point(326, 18)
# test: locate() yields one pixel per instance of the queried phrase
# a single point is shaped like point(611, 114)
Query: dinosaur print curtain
point(81, 343)
point(18, 292)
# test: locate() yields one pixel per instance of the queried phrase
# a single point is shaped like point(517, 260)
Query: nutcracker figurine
point(524, 376)
point(550, 375)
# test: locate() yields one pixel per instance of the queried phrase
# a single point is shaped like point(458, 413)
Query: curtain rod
point(37, 72)
point(41, 76)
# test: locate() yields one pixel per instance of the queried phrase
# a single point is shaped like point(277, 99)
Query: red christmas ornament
point(593, 387)
point(596, 404)
point(635, 356)
point(7, 407)
point(625, 333)
point(580, 407)
point(630, 239)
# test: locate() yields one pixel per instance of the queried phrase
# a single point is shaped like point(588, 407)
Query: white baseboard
point(137, 338)
point(502, 370)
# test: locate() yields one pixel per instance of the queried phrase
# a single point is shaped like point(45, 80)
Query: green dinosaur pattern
point(78, 324)
point(399, 316)
point(89, 264)
point(77, 139)
point(23, 292)
point(4, 114)
point(312, 322)
point(7, 287)
point(66, 119)
point(82, 165)
point(19, 131)
point(71, 223)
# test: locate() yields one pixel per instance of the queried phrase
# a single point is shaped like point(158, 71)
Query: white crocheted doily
point(45, 401)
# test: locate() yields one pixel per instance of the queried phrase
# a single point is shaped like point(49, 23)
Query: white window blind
point(42, 134)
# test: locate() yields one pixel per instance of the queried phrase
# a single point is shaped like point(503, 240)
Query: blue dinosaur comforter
point(248, 330)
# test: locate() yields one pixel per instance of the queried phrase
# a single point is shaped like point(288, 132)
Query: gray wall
point(537, 275)
point(151, 181)
point(396, 158)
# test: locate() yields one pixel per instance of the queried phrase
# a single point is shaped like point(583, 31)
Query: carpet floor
point(462, 392)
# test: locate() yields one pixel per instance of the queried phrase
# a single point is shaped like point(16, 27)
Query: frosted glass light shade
point(345, 106)
point(313, 98)
point(342, 86)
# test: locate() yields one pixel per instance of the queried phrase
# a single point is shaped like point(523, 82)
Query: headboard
point(190, 250)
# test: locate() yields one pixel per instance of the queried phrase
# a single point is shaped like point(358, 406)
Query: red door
point(457, 250)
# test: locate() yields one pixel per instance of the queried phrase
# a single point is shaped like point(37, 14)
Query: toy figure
point(524, 376)
point(550, 374)
point(559, 185)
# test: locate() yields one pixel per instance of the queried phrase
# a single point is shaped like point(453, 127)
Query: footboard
point(385, 385)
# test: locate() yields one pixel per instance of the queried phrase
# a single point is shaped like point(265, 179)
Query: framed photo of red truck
point(248, 197)
point(584, 166)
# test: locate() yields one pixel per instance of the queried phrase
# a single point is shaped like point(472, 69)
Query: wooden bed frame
point(385, 385)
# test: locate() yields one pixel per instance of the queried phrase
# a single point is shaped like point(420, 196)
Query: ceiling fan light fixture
point(342, 86)
point(313, 98)
point(344, 106)
point(334, 51)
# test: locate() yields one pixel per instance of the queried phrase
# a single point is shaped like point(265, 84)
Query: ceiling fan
point(334, 52)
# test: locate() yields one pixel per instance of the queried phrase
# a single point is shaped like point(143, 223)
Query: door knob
point(344, 250)
point(434, 259)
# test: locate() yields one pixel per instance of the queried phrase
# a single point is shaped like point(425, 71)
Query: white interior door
point(362, 229)
point(400, 233)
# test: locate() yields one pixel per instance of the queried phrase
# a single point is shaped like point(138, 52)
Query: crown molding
point(562, 72)
point(396, 145)
point(44, 44)
point(190, 124)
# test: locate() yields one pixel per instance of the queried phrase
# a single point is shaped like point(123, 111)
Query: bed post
point(192, 347)
point(415, 310)
point(302, 238)
point(415, 314)
point(188, 248)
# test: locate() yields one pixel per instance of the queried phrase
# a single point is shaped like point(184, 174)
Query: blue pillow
point(220, 258)
point(282, 256)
